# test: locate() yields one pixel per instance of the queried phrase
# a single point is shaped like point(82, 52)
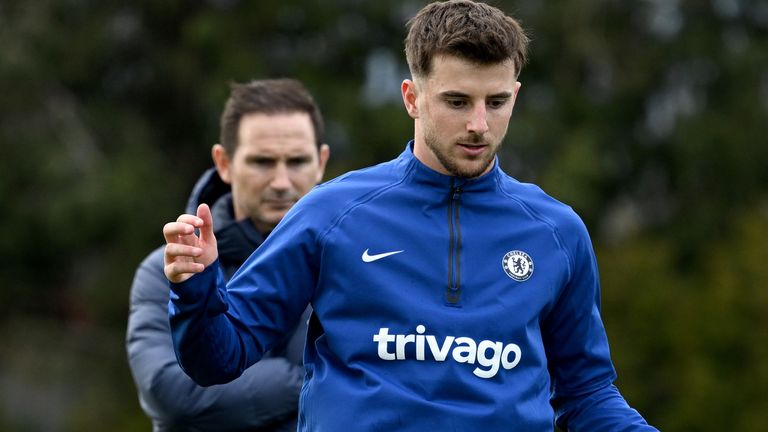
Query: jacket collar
point(420, 173)
point(236, 239)
point(208, 188)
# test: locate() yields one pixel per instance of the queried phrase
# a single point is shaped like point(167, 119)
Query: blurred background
point(649, 117)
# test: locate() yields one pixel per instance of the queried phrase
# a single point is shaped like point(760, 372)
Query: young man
point(446, 295)
point(271, 154)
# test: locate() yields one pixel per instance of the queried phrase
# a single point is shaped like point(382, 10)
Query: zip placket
point(453, 293)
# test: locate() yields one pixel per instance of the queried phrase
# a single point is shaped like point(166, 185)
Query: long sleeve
point(584, 397)
point(220, 329)
point(265, 396)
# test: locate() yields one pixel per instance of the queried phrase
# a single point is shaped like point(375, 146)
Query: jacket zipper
point(453, 294)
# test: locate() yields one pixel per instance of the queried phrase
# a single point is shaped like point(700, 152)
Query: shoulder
point(565, 225)
point(545, 208)
point(330, 200)
point(362, 181)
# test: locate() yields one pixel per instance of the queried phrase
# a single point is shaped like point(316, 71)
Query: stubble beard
point(262, 215)
point(452, 165)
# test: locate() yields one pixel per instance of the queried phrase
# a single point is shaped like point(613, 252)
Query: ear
point(410, 95)
point(323, 154)
point(223, 162)
point(518, 84)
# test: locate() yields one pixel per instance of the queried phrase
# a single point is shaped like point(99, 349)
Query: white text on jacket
point(463, 350)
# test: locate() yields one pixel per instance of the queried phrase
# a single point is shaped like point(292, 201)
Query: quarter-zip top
point(397, 340)
point(453, 292)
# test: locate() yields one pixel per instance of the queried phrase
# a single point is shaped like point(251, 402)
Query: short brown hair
point(466, 29)
point(272, 96)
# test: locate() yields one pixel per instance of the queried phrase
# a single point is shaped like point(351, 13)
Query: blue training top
point(440, 303)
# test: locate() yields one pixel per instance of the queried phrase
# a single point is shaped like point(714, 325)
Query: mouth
point(280, 203)
point(472, 149)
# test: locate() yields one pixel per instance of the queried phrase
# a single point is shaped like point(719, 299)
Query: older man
point(271, 153)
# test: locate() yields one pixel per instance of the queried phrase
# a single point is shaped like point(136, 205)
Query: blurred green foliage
point(650, 118)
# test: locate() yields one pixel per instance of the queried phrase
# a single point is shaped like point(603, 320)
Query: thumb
point(206, 230)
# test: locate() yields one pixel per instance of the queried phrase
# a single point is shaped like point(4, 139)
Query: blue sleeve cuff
point(197, 288)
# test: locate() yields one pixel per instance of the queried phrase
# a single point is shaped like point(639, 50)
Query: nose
point(282, 178)
point(478, 123)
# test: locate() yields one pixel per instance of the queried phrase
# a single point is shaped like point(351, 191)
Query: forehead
point(284, 132)
point(451, 73)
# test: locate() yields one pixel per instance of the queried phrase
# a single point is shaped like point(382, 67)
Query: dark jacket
point(264, 398)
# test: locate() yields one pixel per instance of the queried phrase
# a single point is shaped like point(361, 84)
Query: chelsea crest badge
point(518, 265)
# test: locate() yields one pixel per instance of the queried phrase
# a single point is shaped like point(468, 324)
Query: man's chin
point(271, 215)
point(472, 168)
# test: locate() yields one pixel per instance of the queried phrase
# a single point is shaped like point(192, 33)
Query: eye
point(456, 103)
point(261, 162)
point(496, 103)
point(298, 162)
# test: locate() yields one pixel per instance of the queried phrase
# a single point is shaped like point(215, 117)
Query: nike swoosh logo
point(371, 258)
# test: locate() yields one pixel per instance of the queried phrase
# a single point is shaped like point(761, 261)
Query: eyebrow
point(457, 94)
point(270, 157)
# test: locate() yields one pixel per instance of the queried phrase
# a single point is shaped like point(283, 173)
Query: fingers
point(206, 228)
point(177, 250)
point(172, 230)
point(179, 260)
point(186, 253)
point(179, 271)
point(184, 226)
point(204, 214)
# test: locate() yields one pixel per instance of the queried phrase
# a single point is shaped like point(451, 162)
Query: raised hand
point(187, 253)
